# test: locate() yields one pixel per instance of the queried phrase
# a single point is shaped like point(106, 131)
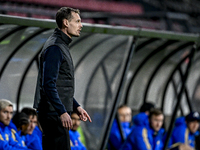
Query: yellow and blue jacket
point(181, 134)
point(143, 137)
point(6, 139)
point(75, 141)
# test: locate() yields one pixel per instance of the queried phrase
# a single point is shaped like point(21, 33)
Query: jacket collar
point(63, 36)
point(2, 126)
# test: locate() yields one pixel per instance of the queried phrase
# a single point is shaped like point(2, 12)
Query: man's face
point(193, 126)
point(125, 114)
point(156, 122)
point(74, 25)
point(76, 121)
point(32, 124)
point(6, 115)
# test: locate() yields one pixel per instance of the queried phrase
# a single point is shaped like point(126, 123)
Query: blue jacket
point(142, 136)
point(30, 141)
point(75, 141)
point(140, 119)
point(181, 134)
point(6, 140)
point(16, 135)
point(33, 142)
point(38, 132)
point(115, 140)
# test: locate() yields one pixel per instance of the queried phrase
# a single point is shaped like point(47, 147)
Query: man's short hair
point(155, 112)
point(29, 111)
point(122, 106)
point(147, 106)
point(64, 13)
point(4, 103)
point(20, 119)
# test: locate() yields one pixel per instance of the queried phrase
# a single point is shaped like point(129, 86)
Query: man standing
point(56, 82)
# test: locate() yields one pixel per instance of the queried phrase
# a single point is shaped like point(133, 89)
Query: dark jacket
point(55, 85)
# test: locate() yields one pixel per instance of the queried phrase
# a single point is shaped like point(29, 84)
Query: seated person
point(149, 136)
point(6, 140)
point(115, 139)
point(143, 115)
point(33, 139)
point(185, 131)
point(74, 135)
point(19, 127)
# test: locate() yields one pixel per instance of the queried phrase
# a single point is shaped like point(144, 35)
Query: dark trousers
point(55, 136)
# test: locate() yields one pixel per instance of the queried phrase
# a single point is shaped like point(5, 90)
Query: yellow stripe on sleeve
point(13, 134)
point(186, 135)
point(1, 138)
point(145, 138)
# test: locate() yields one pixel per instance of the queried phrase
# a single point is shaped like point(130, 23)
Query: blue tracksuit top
point(181, 134)
point(30, 141)
point(6, 139)
point(115, 140)
point(16, 135)
point(143, 137)
point(140, 119)
point(33, 142)
point(75, 141)
point(38, 132)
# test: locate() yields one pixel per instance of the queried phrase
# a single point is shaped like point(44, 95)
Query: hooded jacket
point(115, 139)
point(181, 134)
point(6, 140)
point(143, 137)
point(16, 135)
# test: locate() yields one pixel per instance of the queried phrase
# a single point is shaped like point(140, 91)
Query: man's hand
point(83, 114)
point(66, 121)
point(185, 147)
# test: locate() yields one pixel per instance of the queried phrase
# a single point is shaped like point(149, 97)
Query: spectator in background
point(141, 118)
point(33, 139)
point(6, 140)
point(74, 135)
point(19, 127)
point(146, 107)
point(148, 136)
point(185, 131)
point(115, 139)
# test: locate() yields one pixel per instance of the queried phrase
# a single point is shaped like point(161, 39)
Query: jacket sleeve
point(179, 135)
point(138, 139)
point(75, 104)
point(52, 61)
point(142, 141)
point(5, 146)
point(128, 144)
point(10, 145)
point(33, 142)
point(115, 139)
